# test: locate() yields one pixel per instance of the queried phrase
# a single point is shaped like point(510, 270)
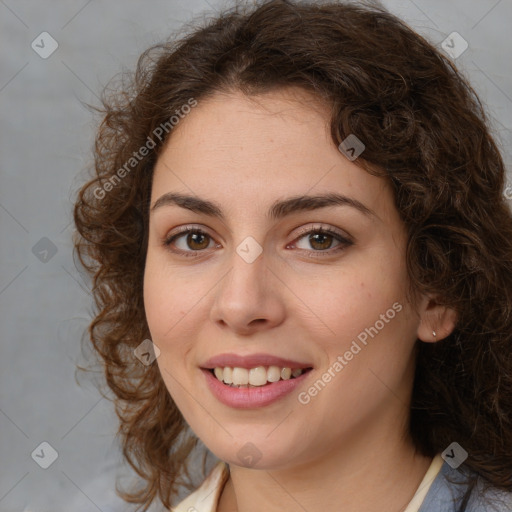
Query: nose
point(248, 298)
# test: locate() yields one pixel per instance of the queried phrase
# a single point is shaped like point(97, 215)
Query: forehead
point(233, 121)
point(257, 149)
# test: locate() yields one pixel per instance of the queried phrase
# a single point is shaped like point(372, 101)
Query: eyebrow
point(278, 210)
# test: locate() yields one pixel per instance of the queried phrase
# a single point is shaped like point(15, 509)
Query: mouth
point(257, 377)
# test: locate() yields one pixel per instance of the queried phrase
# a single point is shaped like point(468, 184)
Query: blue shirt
point(444, 496)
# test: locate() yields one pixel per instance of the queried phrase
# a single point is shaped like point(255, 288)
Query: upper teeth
point(258, 376)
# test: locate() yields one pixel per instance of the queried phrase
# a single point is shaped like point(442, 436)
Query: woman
point(302, 257)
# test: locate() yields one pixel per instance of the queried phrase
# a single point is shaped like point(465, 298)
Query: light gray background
point(46, 137)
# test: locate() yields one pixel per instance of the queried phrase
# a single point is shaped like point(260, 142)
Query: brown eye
point(321, 240)
point(196, 240)
point(188, 242)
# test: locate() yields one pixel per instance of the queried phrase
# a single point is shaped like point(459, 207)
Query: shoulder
point(205, 498)
point(450, 487)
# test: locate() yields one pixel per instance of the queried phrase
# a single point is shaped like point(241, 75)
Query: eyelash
point(344, 242)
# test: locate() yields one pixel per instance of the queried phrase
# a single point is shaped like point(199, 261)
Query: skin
point(349, 445)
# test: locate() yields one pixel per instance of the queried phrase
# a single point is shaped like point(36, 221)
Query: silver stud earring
point(434, 333)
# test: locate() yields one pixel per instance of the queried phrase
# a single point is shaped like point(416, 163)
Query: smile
point(249, 396)
point(255, 377)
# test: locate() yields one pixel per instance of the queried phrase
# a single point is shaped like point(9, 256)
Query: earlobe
point(436, 321)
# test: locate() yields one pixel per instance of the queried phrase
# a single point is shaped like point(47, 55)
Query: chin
point(255, 452)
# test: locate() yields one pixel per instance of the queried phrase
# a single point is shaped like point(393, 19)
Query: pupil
point(321, 235)
point(192, 239)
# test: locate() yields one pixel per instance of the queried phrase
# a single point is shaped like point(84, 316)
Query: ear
point(435, 318)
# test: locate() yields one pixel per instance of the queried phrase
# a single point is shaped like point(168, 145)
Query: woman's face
point(259, 288)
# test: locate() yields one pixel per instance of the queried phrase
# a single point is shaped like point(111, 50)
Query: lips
point(229, 377)
point(251, 397)
point(252, 361)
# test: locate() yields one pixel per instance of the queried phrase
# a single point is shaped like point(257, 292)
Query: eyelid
point(184, 229)
point(325, 229)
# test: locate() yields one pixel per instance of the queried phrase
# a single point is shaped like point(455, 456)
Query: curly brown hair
point(424, 128)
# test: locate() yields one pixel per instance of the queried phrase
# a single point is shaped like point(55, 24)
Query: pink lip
point(250, 398)
point(251, 361)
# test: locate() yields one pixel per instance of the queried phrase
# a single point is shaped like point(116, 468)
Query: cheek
point(168, 297)
point(353, 299)
point(157, 302)
point(369, 326)
point(166, 307)
point(173, 307)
